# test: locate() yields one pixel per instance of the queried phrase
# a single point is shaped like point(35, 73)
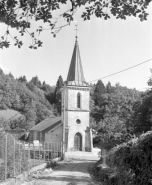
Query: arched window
point(78, 100)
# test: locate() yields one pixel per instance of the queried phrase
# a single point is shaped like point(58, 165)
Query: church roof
point(48, 123)
point(75, 75)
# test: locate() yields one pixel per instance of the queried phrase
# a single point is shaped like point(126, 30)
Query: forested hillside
point(112, 110)
point(32, 99)
point(119, 113)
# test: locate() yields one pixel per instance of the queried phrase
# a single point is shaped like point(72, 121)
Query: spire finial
point(76, 29)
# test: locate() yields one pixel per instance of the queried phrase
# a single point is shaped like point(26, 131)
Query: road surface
point(72, 172)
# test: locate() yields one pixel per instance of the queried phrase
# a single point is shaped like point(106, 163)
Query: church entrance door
point(78, 142)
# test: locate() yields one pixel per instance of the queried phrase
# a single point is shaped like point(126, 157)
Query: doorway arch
point(78, 142)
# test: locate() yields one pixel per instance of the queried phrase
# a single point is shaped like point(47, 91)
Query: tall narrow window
point(78, 100)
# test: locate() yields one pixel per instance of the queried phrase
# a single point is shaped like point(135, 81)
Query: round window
point(78, 121)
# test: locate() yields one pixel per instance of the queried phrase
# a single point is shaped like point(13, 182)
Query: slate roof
point(47, 124)
point(75, 75)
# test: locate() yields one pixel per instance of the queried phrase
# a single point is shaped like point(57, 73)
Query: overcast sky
point(106, 47)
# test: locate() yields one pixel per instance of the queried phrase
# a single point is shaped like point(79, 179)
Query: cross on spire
point(76, 29)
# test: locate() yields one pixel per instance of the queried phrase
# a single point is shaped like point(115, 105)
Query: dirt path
point(73, 172)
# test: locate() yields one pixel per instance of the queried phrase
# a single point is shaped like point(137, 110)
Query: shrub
point(134, 158)
point(96, 140)
point(51, 164)
point(113, 176)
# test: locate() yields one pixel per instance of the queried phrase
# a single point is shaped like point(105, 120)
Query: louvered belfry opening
point(78, 100)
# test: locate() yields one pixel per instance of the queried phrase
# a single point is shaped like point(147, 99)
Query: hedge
point(133, 158)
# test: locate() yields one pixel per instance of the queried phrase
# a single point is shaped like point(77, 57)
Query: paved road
point(73, 172)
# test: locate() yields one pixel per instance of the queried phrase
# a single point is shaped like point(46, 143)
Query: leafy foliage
point(112, 111)
point(18, 124)
point(134, 157)
point(20, 14)
point(140, 120)
point(112, 176)
point(36, 82)
point(129, 115)
point(26, 97)
point(51, 164)
point(142, 115)
point(3, 124)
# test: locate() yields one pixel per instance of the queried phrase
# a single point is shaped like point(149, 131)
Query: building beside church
point(74, 120)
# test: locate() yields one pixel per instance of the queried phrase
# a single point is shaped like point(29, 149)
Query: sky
point(106, 47)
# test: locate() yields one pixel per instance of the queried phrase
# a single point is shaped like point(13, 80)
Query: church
point(72, 127)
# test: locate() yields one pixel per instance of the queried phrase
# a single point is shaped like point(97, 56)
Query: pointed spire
point(75, 75)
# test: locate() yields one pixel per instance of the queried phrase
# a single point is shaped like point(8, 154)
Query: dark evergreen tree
point(35, 80)
point(43, 83)
point(99, 90)
point(150, 79)
point(47, 89)
point(11, 76)
point(57, 94)
point(22, 79)
point(110, 88)
point(1, 72)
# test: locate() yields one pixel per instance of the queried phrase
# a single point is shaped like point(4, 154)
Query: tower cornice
point(82, 88)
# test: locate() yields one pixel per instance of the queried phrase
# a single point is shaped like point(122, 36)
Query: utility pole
point(63, 121)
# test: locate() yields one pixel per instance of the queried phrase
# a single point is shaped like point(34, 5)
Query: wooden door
point(78, 142)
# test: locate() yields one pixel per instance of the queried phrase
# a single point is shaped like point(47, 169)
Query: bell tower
point(75, 107)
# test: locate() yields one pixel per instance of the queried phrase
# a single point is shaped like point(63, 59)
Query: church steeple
point(75, 103)
point(75, 74)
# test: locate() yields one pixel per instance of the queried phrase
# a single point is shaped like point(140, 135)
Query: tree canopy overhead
point(20, 14)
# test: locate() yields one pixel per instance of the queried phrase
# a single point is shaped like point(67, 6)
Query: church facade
point(72, 127)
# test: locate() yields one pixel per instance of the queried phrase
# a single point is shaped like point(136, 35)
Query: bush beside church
point(129, 163)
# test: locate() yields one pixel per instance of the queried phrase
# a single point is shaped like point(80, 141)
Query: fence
point(17, 157)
